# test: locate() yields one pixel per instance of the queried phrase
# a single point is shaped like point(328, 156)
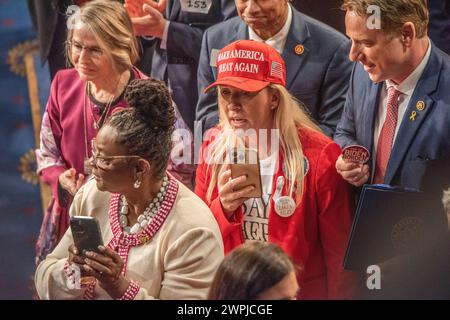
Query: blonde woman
point(102, 49)
point(306, 207)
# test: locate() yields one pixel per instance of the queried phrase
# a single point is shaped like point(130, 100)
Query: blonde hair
point(288, 118)
point(111, 26)
point(394, 13)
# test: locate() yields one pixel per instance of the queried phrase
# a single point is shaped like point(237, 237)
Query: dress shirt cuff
point(164, 36)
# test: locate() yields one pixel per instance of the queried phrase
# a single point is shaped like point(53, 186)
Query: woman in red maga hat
point(306, 207)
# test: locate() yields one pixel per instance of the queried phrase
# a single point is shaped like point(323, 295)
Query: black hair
point(145, 129)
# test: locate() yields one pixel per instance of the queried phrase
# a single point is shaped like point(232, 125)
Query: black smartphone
point(86, 233)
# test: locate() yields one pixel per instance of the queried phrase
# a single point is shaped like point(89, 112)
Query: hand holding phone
point(245, 162)
point(231, 200)
point(86, 233)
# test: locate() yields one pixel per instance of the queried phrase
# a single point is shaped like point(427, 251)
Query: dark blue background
point(20, 205)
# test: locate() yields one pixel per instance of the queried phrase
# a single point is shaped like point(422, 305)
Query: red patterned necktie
point(386, 137)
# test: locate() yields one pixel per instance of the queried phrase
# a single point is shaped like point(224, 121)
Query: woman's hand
point(106, 266)
point(231, 200)
point(75, 256)
point(352, 172)
point(68, 181)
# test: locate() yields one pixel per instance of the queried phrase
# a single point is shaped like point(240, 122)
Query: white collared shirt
point(278, 40)
point(407, 89)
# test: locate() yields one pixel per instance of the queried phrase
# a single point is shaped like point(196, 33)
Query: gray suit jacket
point(178, 64)
point(318, 77)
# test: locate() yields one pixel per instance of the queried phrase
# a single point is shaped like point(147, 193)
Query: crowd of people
point(118, 145)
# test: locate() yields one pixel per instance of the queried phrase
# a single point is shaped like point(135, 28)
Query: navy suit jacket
point(178, 64)
point(419, 143)
point(318, 77)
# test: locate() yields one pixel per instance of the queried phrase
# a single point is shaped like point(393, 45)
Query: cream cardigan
point(179, 262)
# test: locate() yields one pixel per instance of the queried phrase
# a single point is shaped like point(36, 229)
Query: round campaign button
point(285, 206)
point(355, 153)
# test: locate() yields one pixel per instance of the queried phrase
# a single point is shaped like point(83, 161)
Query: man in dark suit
point(398, 106)
point(49, 19)
point(175, 28)
point(315, 55)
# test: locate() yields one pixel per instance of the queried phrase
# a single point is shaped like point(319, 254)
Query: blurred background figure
point(327, 11)
point(255, 271)
point(160, 240)
point(423, 272)
point(175, 29)
point(446, 203)
point(439, 26)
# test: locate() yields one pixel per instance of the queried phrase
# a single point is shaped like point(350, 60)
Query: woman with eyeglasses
point(160, 240)
point(102, 48)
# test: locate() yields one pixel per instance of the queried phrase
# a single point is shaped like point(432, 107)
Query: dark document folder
point(389, 222)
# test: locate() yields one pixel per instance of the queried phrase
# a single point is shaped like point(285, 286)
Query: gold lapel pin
point(413, 116)
point(420, 105)
point(299, 49)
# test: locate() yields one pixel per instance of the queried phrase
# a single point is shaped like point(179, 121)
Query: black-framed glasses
point(105, 162)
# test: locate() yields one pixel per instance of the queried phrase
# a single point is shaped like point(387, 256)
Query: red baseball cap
point(249, 65)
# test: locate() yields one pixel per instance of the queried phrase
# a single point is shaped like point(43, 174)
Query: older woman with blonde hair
point(305, 207)
point(102, 48)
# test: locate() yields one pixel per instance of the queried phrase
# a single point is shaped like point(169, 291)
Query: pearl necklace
point(145, 217)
